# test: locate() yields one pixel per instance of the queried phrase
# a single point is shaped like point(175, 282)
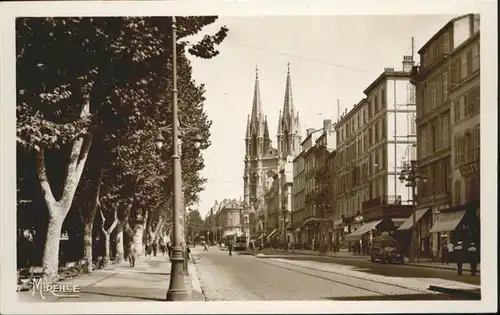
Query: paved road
point(385, 269)
point(245, 277)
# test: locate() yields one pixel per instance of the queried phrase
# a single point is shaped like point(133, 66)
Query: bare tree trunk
point(58, 209)
point(87, 245)
point(107, 235)
point(107, 238)
point(89, 220)
point(51, 249)
point(137, 239)
point(120, 249)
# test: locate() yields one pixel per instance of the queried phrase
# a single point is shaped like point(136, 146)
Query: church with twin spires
point(263, 160)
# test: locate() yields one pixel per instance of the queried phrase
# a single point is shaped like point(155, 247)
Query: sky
point(331, 57)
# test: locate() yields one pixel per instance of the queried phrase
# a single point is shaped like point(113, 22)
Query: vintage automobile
point(385, 249)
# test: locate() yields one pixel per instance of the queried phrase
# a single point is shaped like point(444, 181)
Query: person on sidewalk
point(458, 255)
point(449, 254)
point(148, 250)
point(230, 249)
point(155, 248)
point(473, 258)
point(444, 254)
point(188, 250)
point(205, 247)
point(162, 245)
point(132, 254)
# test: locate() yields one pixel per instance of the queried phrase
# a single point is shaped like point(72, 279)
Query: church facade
point(265, 164)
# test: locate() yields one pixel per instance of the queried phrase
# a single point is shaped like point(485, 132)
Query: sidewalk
point(148, 280)
point(424, 262)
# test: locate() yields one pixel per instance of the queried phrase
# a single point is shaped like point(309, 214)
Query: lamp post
point(285, 243)
point(410, 175)
point(177, 290)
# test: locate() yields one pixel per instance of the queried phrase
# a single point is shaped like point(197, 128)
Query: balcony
point(386, 200)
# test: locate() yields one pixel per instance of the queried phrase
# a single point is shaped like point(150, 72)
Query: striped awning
point(272, 233)
point(408, 224)
point(448, 221)
point(365, 228)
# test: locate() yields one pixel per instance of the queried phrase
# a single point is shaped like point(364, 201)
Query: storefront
point(422, 218)
point(459, 223)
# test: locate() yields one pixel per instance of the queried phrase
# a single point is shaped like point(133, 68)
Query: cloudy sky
point(331, 57)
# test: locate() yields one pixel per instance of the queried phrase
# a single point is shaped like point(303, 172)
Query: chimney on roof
point(408, 63)
point(327, 125)
point(387, 69)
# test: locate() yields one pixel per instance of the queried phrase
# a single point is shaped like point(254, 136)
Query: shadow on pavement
point(407, 297)
point(128, 296)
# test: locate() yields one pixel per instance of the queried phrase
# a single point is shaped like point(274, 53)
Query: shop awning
point(367, 227)
point(448, 221)
point(398, 221)
point(272, 233)
point(408, 224)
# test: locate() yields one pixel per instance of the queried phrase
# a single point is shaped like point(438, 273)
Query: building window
point(382, 98)
point(458, 193)
point(434, 135)
point(433, 95)
point(477, 141)
point(464, 100)
point(413, 125)
point(410, 89)
point(455, 76)
point(384, 128)
point(376, 131)
point(475, 58)
point(423, 142)
point(375, 105)
point(445, 86)
point(445, 130)
point(456, 149)
point(469, 62)
point(464, 67)
point(467, 147)
point(446, 43)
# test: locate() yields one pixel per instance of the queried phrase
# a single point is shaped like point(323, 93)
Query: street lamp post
point(177, 290)
point(410, 174)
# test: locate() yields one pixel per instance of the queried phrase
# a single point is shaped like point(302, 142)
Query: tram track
point(296, 268)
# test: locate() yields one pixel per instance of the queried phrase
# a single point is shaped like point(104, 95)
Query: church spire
point(257, 105)
point(288, 110)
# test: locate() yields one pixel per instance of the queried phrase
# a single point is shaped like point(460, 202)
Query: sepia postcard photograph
point(248, 157)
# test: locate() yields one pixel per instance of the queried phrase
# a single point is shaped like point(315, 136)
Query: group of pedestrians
point(460, 254)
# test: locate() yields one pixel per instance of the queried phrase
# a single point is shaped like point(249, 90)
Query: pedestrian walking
point(188, 250)
point(458, 255)
point(444, 254)
point(155, 248)
point(205, 247)
point(473, 258)
point(450, 254)
point(162, 245)
point(148, 250)
point(230, 249)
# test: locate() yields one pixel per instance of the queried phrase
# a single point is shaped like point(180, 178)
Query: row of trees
point(91, 94)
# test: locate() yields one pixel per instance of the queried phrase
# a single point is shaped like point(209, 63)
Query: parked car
point(385, 248)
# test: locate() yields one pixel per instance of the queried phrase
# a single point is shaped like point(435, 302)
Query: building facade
point(374, 139)
point(277, 197)
point(261, 159)
point(324, 198)
point(229, 217)
point(298, 199)
point(442, 69)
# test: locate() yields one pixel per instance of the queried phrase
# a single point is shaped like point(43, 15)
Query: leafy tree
point(107, 84)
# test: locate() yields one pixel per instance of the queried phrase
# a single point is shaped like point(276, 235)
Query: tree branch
point(77, 159)
point(42, 177)
point(114, 224)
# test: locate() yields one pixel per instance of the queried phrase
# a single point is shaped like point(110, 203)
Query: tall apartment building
point(324, 198)
point(447, 56)
point(306, 216)
point(373, 140)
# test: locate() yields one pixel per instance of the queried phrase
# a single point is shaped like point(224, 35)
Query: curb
point(197, 294)
point(472, 294)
